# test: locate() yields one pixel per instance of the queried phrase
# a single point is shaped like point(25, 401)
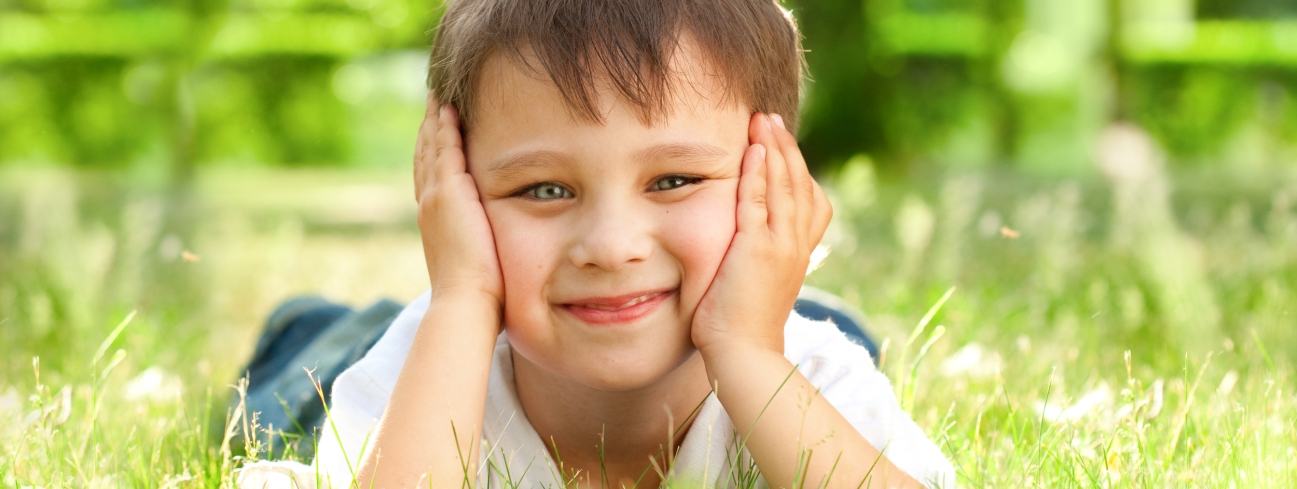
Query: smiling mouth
point(616, 310)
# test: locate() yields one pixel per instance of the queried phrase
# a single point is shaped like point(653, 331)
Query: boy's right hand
point(457, 240)
point(429, 410)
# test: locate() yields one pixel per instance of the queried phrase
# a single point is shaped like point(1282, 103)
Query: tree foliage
point(177, 83)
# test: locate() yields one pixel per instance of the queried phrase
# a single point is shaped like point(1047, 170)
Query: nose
point(613, 237)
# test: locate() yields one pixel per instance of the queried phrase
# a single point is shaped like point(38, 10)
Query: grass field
point(1099, 334)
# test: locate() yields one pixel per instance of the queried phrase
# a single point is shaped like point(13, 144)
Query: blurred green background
point(163, 86)
point(1111, 185)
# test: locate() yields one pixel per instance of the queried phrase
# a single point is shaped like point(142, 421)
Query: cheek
point(701, 230)
point(525, 247)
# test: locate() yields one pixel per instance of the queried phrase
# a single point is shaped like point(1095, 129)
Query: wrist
point(731, 366)
point(739, 348)
point(715, 335)
point(472, 304)
point(469, 292)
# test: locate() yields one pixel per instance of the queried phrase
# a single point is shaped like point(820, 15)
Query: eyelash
point(685, 180)
point(529, 191)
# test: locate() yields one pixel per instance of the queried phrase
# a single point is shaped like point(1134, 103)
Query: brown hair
point(625, 45)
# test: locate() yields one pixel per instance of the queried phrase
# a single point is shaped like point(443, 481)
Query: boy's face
point(608, 234)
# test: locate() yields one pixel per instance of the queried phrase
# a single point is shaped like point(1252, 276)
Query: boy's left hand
point(782, 214)
point(739, 328)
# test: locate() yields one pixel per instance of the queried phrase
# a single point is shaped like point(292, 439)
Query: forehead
point(521, 114)
point(512, 86)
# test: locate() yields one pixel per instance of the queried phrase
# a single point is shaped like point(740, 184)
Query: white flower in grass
point(154, 384)
point(972, 360)
point(1092, 401)
point(10, 403)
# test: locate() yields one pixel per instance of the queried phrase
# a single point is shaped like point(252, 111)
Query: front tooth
point(632, 302)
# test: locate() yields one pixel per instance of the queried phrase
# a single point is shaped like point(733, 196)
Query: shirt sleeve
point(360, 394)
point(846, 376)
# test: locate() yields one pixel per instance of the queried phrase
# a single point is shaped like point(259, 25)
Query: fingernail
point(779, 120)
point(761, 152)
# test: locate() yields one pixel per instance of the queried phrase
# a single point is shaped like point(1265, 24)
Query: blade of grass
point(103, 347)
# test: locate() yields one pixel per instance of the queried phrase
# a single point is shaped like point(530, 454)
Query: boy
point(616, 220)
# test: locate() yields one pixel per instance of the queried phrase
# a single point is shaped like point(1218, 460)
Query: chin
point(620, 367)
point(628, 374)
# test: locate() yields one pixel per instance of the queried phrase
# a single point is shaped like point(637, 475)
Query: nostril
point(611, 250)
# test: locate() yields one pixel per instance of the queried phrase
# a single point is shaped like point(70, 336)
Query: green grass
point(1090, 341)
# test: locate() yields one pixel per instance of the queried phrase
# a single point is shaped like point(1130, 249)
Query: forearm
point(800, 439)
point(433, 420)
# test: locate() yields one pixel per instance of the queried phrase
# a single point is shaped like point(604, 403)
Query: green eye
point(548, 191)
point(674, 181)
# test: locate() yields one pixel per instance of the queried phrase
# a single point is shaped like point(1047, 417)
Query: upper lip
point(617, 301)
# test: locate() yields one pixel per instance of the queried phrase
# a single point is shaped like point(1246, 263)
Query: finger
point(821, 216)
point(424, 150)
point(450, 145)
point(799, 177)
point(779, 197)
point(752, 213)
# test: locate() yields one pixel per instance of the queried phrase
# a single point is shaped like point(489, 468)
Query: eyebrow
point(518, 162)
point(681, 151)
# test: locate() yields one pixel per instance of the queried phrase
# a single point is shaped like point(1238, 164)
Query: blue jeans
point(312, 334)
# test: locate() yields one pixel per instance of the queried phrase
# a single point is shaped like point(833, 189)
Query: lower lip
point(591, 315)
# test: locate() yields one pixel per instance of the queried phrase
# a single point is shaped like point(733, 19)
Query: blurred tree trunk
point(1005, 21)
point(841, 115)
point(1116, 65)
